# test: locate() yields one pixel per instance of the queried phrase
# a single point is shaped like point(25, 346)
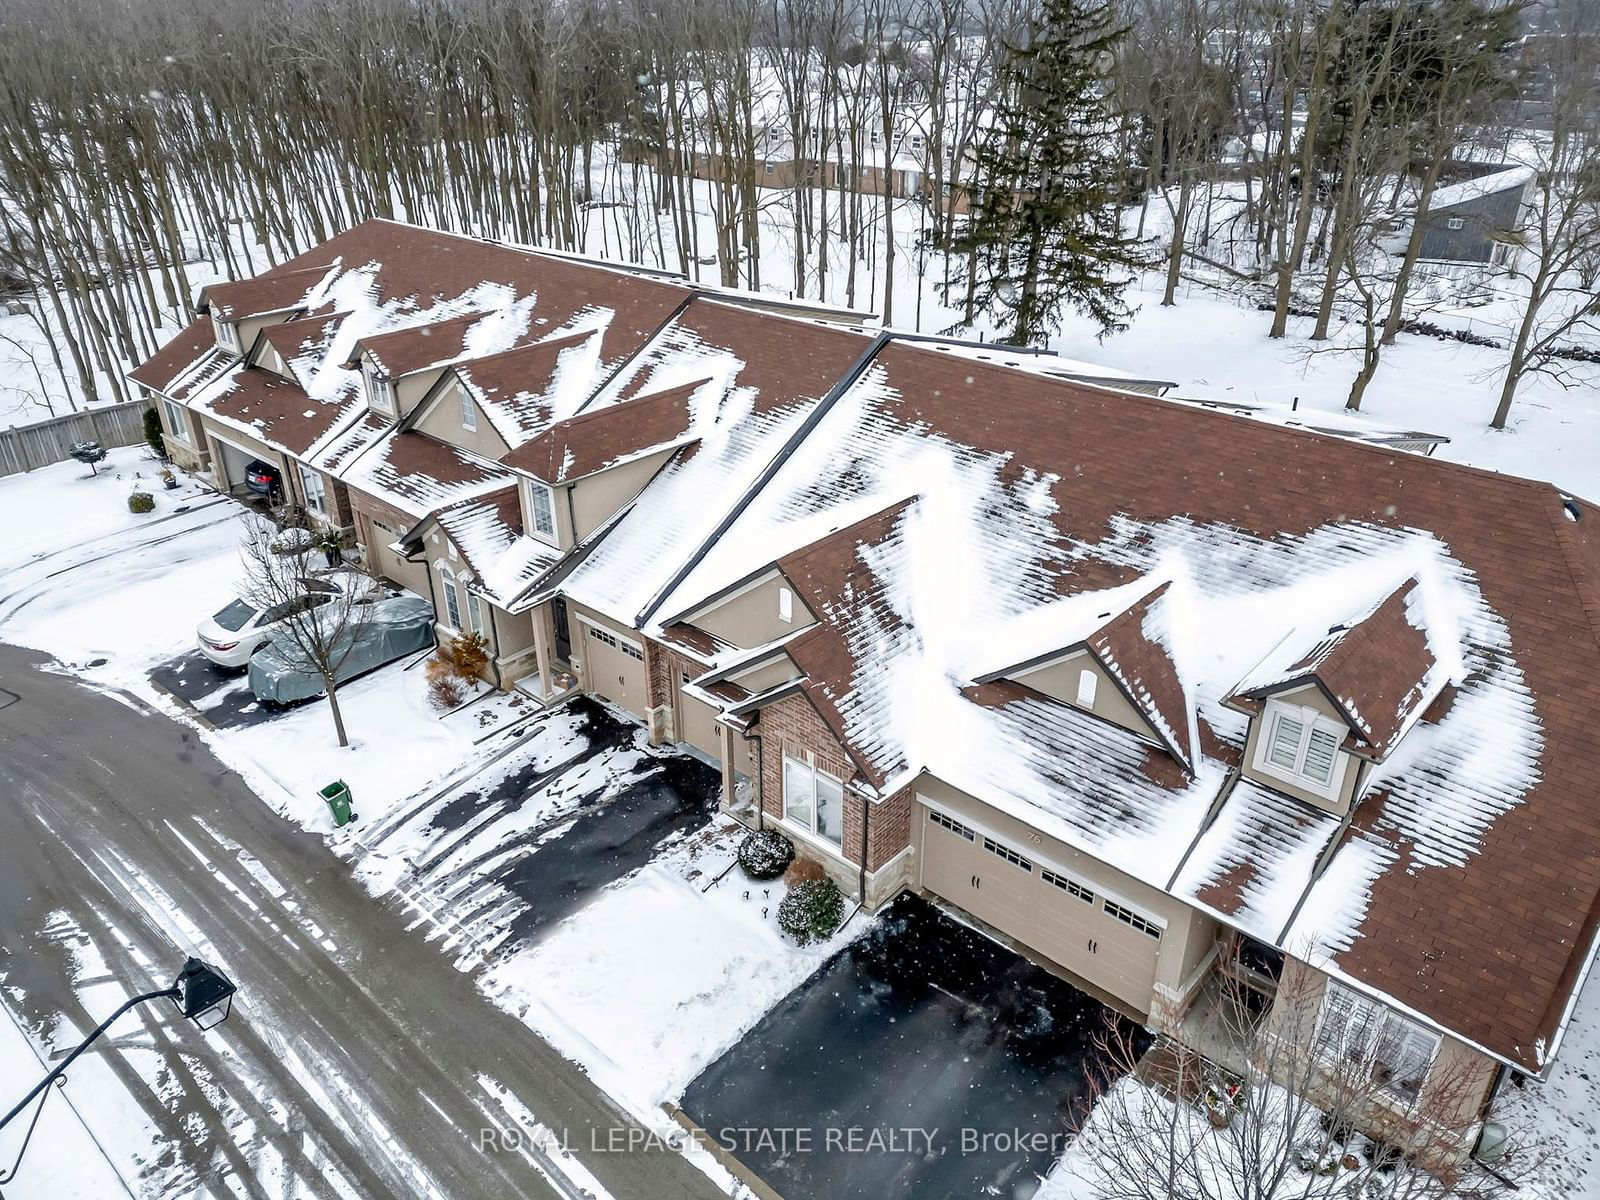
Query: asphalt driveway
point(581, 803)
point(222, 696)
point(924, 1060)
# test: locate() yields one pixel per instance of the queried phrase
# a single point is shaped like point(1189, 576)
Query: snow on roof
point(487, 531)
point(1467, 190)
point(1030, 493)
point(522, 391)
point(1256, 859)
point(418, 474)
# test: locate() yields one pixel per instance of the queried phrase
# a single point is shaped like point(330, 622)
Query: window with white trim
point(1300, 746)
point(1394, 1052)
point(1000, 850)
point(813, 800)
point(227, 334)
point(541, 510)
point(954, 826)
point(469, 412)
point(1455, 223)
point(316, 490)
point(785, 605)
point(177, 424)
point(452, 597)
point(380, 393)
point(475, 612)
point(1070, 886)
point(1128, 917)
point(1088, 684)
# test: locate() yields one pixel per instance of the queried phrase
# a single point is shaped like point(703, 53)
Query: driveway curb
point(758, 1186)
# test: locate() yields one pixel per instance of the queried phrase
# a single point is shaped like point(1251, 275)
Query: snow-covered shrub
point(446, 688)
point(811, 911)
point(803, 870)
point(765, 853)
point(141, 502)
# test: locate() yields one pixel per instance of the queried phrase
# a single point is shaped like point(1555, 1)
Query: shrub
point(470, 654)
point(811, 911)
point(446, 688)
point(152, 432)
point(804, 870)
point(141, 502)
point(765, 853)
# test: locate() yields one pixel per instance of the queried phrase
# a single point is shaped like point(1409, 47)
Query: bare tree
point(1281, 1119)
point(320, 613)
point(1560, 227)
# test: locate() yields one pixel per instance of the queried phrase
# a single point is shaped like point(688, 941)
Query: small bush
point(446, 688)
point(804, 870)
point(765, 853)
point(141, 502)
point(470, 654)
point(811, 911)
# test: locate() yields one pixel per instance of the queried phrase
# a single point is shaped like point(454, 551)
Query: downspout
point(761, 774)
point(866, 810)
point(494, 632)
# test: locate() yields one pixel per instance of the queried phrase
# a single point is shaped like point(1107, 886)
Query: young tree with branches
point(320, 615)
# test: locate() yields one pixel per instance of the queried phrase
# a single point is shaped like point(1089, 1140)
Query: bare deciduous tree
point(321, 613)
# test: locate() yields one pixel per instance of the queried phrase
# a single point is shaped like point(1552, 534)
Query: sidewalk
point(64, 1161)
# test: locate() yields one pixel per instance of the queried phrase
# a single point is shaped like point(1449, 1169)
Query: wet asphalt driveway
point(583, 803)
point(907, 1066)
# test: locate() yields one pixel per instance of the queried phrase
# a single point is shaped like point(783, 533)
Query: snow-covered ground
point(644, 985)
point(655, 979)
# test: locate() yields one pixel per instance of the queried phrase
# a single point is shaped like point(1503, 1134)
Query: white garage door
point(1100, 938)
point(697, 723)
point(615, 666)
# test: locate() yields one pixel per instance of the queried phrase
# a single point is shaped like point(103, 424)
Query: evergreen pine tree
point(1044, 232)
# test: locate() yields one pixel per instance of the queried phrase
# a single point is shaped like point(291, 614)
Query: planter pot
point(170, 484)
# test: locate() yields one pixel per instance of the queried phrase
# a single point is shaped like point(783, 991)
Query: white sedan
point(230, 636)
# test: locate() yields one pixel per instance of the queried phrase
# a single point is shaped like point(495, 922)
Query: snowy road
point(357, 1062)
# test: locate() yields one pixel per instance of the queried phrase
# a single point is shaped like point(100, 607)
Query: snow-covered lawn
point(653, 980)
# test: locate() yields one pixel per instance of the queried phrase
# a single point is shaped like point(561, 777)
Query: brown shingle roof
point(1377, 671)
point(1143, 668)
point(166, 364)
point(603, 437)
point(275, 291)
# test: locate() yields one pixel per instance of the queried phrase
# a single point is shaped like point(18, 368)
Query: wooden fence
point(29, 447)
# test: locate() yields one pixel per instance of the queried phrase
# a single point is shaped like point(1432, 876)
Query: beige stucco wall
point(1189, 934)
point(442, 420)
point(1308, 697)
point(750, 618)
point(596, 498)
point(1060, 680)
point(1445, 1113)
point(761, 678)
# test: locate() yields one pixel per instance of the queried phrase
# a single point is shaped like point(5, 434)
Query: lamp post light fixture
point(201, 992)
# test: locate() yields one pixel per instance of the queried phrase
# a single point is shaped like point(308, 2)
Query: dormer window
point(1301, 746)
point(380, 393)
point(227, 334)
point(541, 511)
point(469, 413)
point(1088, 683)
point(785, 605)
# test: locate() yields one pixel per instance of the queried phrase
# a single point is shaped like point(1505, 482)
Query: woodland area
point(143, 142)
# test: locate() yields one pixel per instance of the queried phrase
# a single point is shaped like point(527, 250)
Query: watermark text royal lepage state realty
point(766, 1140)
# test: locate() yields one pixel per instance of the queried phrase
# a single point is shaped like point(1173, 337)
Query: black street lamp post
point(201, 993)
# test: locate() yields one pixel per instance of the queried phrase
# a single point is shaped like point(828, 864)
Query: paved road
point(355, 1059)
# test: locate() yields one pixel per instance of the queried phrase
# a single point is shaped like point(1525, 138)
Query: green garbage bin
point(337, 794)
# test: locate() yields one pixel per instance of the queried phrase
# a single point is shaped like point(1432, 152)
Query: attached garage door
point(697, 723)
point(1100, 938)
point(390, 565)
point(616, 667)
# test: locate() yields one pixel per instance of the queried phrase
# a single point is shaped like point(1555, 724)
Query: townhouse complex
point(1148, 689)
